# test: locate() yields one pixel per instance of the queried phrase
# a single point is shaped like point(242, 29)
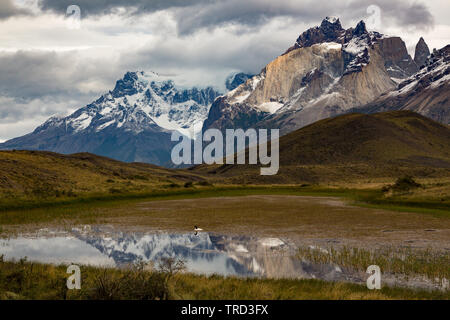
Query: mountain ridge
point(426, 92)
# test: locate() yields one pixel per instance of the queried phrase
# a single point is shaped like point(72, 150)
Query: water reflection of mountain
point(206, 253)
point(201, 253)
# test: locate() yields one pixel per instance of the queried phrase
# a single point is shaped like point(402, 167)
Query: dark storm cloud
point(51, 77)
point(256, 12)
point(399, 13)
point(192, 15)
point(30, 75)
point(416, 15)
point(8, 9)
point(99, 7)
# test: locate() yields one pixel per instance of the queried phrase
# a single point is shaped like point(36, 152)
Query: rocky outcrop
point(328, 71)
point(222, 116)
point(426, 92)
point(350, 90)
point(331, 70)
point(422, 52)
point(398, 62)
point(330, 30)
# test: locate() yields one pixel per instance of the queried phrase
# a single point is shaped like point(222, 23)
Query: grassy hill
point(351, 147)
point(36, 174)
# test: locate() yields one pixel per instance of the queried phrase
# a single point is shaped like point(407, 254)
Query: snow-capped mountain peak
point(132, 122)
point(140, 100)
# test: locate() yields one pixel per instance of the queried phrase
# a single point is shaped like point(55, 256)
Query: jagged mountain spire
point(360, 29)
point(329, 30)
point(422, 52)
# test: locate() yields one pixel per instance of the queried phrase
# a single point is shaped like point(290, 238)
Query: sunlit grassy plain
point(87, 206)
point(26, 280)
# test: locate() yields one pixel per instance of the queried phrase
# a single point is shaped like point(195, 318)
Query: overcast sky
point(48, 67)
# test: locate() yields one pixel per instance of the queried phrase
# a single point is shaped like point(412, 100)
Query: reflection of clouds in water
point(218, 264)
point(54, 250)
point(205, 253)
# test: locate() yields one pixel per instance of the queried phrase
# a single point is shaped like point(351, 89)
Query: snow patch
point(355, 46)
point(241, 98)
point(82, 122)
point(330, 45)
point(105, 111)
point(271, 242)
point(270, 107)
point(397, 80)
point(332, 19)
point(105, 125)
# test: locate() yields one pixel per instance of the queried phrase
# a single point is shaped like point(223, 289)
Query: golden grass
point(45, 175)
point(395, 260)
point(216, 287)
point(25, 280)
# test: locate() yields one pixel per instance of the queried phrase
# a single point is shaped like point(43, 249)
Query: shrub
point(139, 177)
point(140, 284)
point(205, 183)
point(114, 190)
point(403, 184)
point(173, 185)
point(70, 193)
point(171, 266)
point(134, 284)
point(106, 287)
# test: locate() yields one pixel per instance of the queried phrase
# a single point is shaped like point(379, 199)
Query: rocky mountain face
point(422, 53)
point(328, 71)
point(131, 123)
point(426, 92)
point(397, 61)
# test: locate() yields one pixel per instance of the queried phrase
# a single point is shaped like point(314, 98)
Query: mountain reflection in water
point(203, 253)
